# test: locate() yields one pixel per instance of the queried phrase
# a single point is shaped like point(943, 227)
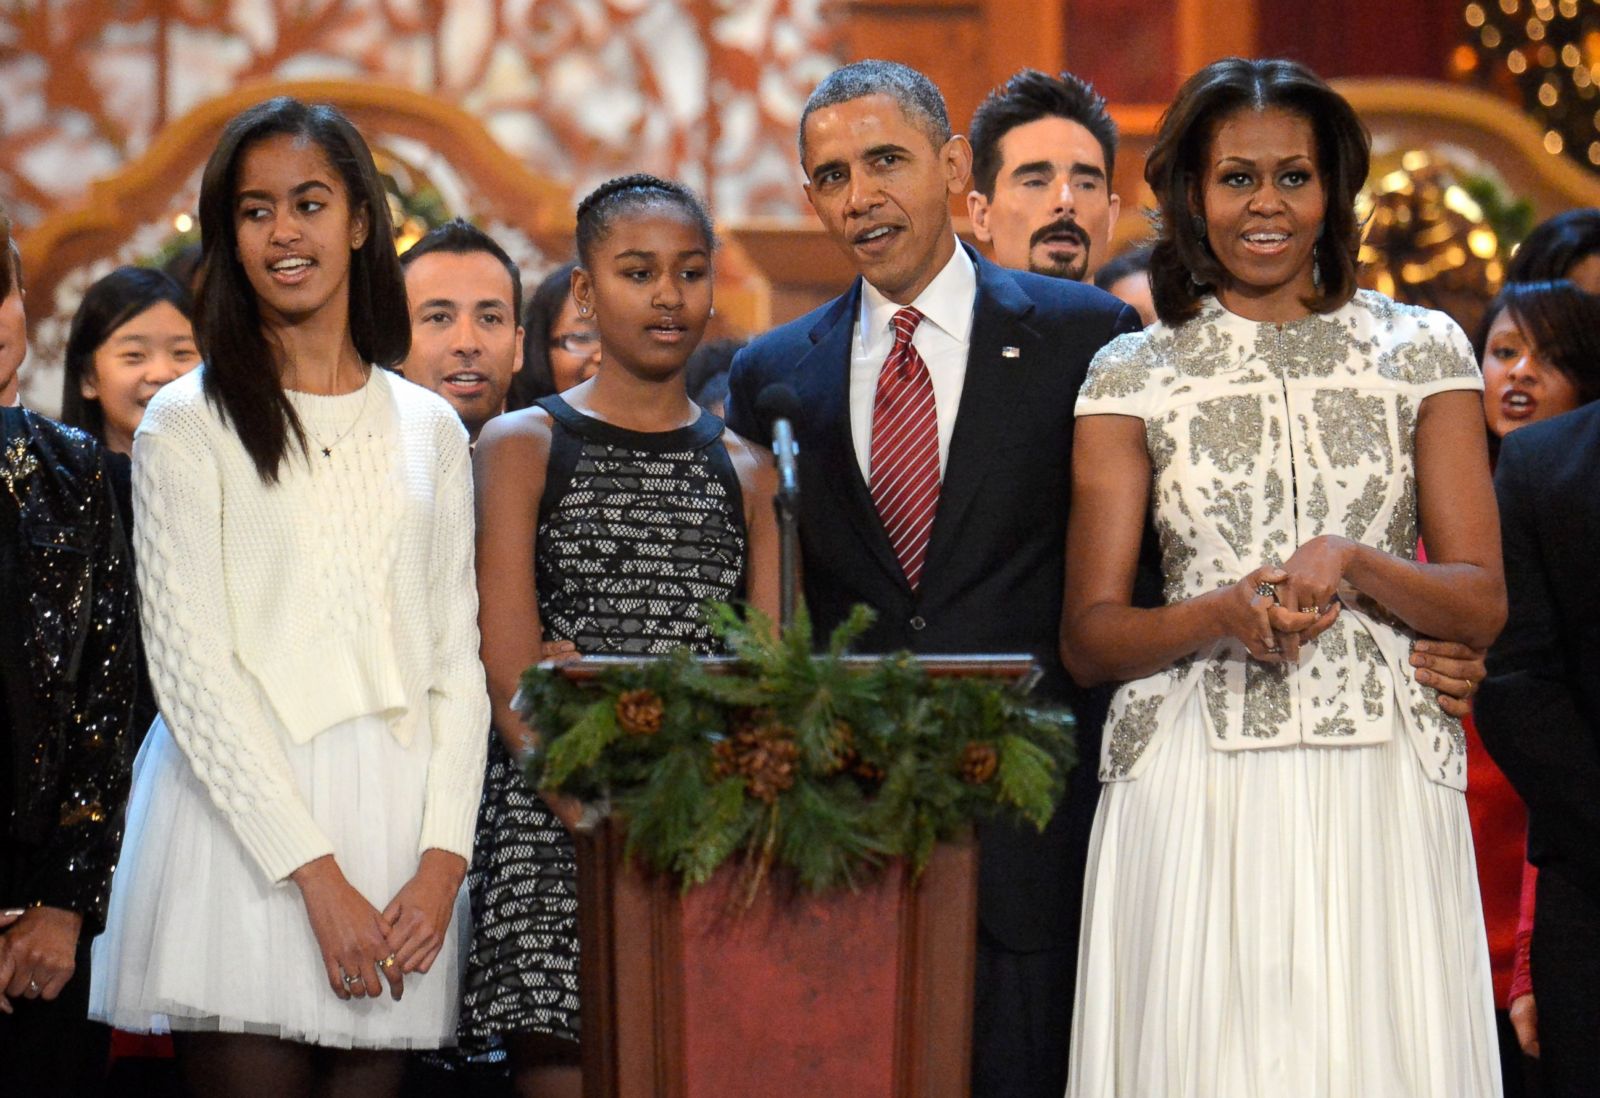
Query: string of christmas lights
point(1547, 56)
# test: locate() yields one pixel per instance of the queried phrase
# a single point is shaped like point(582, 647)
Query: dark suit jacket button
point(919, 623)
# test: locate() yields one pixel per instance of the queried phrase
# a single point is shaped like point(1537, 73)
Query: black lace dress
point(635, 532)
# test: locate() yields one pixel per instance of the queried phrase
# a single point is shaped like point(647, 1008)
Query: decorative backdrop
point(704, 90)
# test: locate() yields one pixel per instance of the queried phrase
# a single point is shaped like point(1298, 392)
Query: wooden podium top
point(1011, 667)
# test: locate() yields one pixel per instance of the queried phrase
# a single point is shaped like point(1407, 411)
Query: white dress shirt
point(942, 339)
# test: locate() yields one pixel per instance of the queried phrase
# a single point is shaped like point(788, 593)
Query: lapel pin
point(1010, 352)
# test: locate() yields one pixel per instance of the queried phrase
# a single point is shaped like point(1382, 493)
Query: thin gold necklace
point(327, 450)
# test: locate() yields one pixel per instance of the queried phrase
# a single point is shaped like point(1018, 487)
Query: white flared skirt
point(1296, 922)
point(197, 939)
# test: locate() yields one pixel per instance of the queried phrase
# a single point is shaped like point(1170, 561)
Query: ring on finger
point(1266, 590)
point(33, 986)
point(350, 978)
point(387, 962)
point(1310, 610)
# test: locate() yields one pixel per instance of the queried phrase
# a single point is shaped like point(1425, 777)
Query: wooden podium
point(864, 994)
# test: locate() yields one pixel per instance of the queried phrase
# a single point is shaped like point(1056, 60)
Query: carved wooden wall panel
point(704, 90)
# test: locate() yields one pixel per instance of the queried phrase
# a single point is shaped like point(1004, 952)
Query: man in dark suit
point(1539, 715)
point(935, 428)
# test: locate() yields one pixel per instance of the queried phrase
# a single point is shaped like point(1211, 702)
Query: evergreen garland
point(786, 758)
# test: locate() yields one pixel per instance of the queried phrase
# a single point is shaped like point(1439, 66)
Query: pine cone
point(724, 759)
point(759, 750)
point(979, 761)
point(639, 712)
point(771, 765)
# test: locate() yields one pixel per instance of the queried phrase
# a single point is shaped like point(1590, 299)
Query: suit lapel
point(823, 386)
point(1001, 343)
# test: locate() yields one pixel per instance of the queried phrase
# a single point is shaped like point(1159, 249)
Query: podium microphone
point(778, 406)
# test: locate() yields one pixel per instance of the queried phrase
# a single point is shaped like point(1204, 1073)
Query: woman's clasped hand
point(1274, 610)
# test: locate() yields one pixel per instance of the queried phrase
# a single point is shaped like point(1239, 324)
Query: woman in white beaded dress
point(1281, 897)
point(289, 896)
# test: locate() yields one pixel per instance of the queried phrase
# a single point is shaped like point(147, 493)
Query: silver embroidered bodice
point(1262, 437)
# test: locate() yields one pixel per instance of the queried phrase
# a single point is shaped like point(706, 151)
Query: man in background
point(465, 295)
point(1043, 150)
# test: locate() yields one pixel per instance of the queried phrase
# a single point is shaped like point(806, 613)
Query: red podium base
point(856, 995)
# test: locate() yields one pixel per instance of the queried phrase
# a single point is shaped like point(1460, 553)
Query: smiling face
point(1052, 211)
point(648, 288)
point(882, 190)
point(1519, 385)
point(294, 229)
point(465, 340)
point(131, 366)
point(1263, 200)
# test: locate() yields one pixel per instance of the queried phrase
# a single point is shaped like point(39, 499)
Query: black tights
point(244, 1065)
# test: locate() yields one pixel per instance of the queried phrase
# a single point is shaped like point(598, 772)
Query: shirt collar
point(947, 302)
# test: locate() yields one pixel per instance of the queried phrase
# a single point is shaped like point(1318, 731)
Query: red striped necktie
point(905, 449)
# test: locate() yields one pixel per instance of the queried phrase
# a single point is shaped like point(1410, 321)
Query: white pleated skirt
point(1291, 923)
point(197, 939)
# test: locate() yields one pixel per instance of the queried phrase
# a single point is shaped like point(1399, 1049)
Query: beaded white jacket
point(1261, 437)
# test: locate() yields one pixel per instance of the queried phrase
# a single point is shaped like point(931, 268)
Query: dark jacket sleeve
point(95, 726)
point(1527, 712)
point(741, 417)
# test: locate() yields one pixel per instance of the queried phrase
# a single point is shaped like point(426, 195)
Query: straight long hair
point(241, 376)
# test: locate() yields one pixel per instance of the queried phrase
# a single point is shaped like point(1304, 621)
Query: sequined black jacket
point(71, 681)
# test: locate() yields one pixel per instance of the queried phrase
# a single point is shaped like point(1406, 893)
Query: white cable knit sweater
point(345, 589)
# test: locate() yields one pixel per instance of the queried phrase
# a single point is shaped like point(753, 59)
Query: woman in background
point(560, 345)
point(1566, 246)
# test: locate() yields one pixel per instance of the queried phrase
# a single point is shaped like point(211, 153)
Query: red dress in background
point(1500, 838)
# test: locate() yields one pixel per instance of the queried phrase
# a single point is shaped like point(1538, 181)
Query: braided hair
point(601, 207)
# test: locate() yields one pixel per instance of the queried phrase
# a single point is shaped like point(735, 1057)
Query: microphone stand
point(786, 503)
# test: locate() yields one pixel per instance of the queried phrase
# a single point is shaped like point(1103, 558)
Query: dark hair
point(10, 262)
point(706, 375)
point(601, 207)
point(241, 379)
point(107, 305)
point(916, 94)
point(1027, 97)
point(1181, 263)
point(1135, 260)
point(1556, 245)
point(1560, 320)
point(539, 318)
point(458, 237)
point(184, 267)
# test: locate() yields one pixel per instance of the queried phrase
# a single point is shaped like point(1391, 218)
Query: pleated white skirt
point(1292, 923)
point(197, 939)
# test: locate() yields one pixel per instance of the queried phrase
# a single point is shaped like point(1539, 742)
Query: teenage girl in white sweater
point(302, 813)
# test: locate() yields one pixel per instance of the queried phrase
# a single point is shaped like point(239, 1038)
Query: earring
point(1316, 267)
point(1198, 223)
